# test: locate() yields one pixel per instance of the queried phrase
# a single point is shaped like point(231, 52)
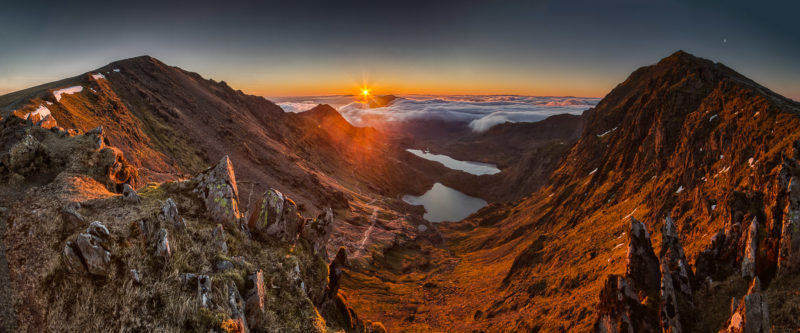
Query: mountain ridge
point(684, 137)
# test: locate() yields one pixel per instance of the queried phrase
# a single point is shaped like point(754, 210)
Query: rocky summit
point(158, 200)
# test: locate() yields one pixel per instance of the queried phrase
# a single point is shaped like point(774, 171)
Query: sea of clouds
point(481, 112)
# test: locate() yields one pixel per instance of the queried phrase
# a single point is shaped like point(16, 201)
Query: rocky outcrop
point(626, 303)
point(643, 270)
point(217, 188)
point(708, 263)
point(275, 216)
point(673, 256)
point(71, 216)
point(750, 251)
point(789, 252)
point(204, 290)
point(218, 237)
point(169, 211)
point(619, 309)
point(318, 231)
point(163, 249)
point(88, 251)
point(254, 309)
point(237, 308)
point(129, 194)
point(751, 315)
point(670, 313)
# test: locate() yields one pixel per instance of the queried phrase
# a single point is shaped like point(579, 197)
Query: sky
point(292, 48)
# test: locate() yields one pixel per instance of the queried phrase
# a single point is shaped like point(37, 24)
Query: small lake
point(475, 168)
point(445, 204)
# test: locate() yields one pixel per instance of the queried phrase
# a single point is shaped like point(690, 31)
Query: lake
point(445, 204)
point(475, 168)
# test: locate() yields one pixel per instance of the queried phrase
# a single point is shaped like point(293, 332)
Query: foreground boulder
point(87, 251)
point(217, 188)
point(275, 216)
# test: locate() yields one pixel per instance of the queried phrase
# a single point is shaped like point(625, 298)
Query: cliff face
point(86, 251)
point(686, 138)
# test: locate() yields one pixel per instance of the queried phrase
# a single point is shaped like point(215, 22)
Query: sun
point(365, 92)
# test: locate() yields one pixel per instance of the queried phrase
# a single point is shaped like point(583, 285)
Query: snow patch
point(607, 132)
point(116, 70)
point(712, 117)
point(680, 189)
point(752, 162)
point(713, 207)
point(756, 115)
point(42, 112)
point(593, 171)
point(98, 76)
point(70, 90)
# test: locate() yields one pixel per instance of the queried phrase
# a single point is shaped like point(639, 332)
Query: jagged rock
point(318, 231)
point(71, 258)
point(643, 270)
point(135, 276)
point(95, 257)
point(789, 252)
point(129, 194)
point(707, 263)
point(70, 214)
point(163, 249)
point(672, 252)
point(254, 307)
point(619, 309)
point(224, 265)
point(170, 212)
point(218, 237)
point(204, 290)
point(275, 216)
point(750, 251)
point(335, 271)
point(670, 314)
point(752, 313)
point(217, 188)
point(237, 307)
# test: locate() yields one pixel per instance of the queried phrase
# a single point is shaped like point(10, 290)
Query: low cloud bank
point(481, 112)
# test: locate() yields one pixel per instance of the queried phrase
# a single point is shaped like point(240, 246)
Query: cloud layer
point(481, 112)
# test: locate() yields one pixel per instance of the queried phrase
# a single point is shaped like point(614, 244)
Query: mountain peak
point(138, 60)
